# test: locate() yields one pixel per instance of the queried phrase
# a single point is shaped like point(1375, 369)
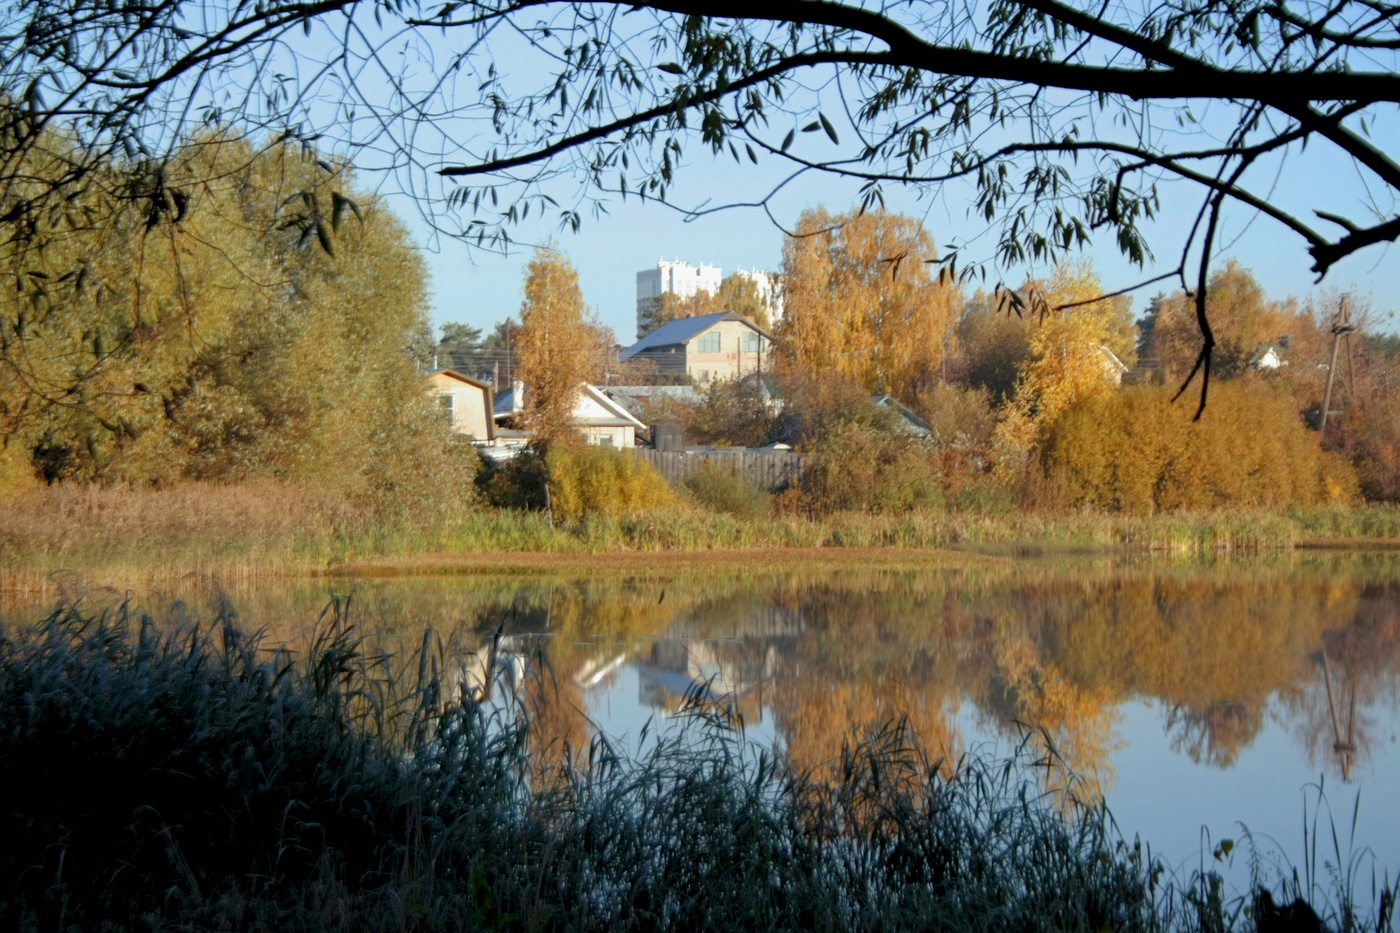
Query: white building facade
point(766, 284)
point(679, 278)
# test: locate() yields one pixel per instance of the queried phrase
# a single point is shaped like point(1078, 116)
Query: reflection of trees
point(1348, 673)
point(1077, 719)
point(1214, 734)
point(828, 652)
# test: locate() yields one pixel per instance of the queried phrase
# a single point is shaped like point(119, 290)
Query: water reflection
point(1308, 645)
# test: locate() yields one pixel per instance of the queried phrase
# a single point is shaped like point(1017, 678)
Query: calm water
point(1196, 699)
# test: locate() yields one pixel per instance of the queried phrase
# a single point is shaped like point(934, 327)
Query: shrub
point(1135, 451)
point(727, 491)
point(862, 468)
point(604, 483)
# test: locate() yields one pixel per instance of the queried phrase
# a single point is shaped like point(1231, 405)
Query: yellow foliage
point(557, 346)
point(1135, 451)
point(863, 303)
point(1076, 353)
point(600, 482)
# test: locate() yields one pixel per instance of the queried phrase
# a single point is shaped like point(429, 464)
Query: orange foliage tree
point(863, 301)
point(559, 347)
point(1244, 322)
point(1079, 350)
point(1134, 451)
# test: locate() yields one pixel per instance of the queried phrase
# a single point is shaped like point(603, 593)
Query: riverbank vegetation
point(339, 788)
point(224, 375)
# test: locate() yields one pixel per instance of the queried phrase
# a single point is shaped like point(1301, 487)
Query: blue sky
point(480, 288)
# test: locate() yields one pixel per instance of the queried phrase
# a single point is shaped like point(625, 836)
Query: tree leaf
point(671, 68)
point(787, 140)
point(830, 130)
point(323, 236)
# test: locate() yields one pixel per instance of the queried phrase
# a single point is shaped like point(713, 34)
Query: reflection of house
point(466, 402)
point(674, 668)
point(707, 348)
point(906, 422)
point(603, 422)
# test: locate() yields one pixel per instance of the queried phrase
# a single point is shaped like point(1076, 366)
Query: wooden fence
point(771, 469)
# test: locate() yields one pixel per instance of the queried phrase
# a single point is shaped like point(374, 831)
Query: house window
point(709, 343)
point(445, 404)
point(749, 343)
point(605, 441)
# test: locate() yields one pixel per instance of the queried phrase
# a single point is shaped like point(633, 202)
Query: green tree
point(226, 344)
point(995, 341)
point(458, 345)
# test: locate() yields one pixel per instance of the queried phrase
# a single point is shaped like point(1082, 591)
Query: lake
point(1199, 701)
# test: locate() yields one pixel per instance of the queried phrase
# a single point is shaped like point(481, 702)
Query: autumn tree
point(739, 293)
point(1045, 119)
point(224, 344)
point(668, 307)
point(995, 341)
point(559, 348)
point(1244, 321)
point(1077, 353)
point(864, 303)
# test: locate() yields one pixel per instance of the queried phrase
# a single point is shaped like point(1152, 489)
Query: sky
point(479, 288)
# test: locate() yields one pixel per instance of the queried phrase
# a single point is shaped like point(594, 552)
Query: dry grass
point(239, 531)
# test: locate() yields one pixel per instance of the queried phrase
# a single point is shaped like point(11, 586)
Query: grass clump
point(728, 492)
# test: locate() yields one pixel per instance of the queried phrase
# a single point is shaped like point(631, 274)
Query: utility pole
point(1341, 328)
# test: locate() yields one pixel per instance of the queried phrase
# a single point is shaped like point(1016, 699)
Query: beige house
point(603, 422)
point(707, 348)
point(466, 402)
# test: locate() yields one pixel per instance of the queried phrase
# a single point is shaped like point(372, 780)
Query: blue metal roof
point(681, 330)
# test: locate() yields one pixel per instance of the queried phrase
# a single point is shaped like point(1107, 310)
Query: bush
point(726, 491)
point(604, 483)
point(1135, 451)
point(861, 468)
point(517, 483)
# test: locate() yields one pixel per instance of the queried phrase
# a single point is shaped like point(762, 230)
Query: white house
point(603, 422)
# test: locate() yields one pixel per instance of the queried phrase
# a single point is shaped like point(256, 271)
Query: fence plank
point(773, 470)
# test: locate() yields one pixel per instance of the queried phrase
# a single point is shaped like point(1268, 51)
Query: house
point(603, 422)
point(906, 422)
point(466, 402)
point(707, 348)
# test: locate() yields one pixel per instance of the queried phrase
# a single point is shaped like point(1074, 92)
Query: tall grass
point(129, 536)
point(188, 778)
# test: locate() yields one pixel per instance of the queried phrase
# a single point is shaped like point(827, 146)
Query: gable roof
point(462, 377)
point(684, 329)
point(511, 402)
point(485, 388)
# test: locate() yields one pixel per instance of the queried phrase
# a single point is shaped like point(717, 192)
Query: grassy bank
point(126, 537)
point(234, 788)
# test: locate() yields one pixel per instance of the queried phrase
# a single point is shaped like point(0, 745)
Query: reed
point(339, 788)
point(240, 533)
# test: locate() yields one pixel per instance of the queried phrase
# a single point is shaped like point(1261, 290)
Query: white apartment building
point(679, 278)
point(768, 290)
